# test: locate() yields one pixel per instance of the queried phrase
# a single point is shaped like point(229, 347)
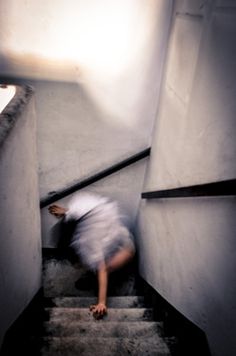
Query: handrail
point(221, 188)
point(94, 178)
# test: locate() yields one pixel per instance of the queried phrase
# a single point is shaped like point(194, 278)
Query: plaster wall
point(20, 252)
point(188, 245)
point(76, 139)
point(96, 75)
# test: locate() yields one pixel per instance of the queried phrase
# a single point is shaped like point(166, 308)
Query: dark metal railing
point(221, 188)
point(94, 178)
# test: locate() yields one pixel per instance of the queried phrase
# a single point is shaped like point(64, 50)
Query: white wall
point(188, 245)
point(106, 58)
point(20, 252)
point(76, 139)
point(96, 74)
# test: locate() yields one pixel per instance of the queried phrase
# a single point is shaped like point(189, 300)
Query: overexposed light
point(104, 45)
point(96, 35)
point(6, 94)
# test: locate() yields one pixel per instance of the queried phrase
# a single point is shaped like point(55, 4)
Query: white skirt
point(100, 234)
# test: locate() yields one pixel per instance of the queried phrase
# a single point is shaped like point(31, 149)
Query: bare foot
point(98, 310)
point(57, 211)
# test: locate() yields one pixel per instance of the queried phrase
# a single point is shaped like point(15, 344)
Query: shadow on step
point(63, 275)
point(20, 337)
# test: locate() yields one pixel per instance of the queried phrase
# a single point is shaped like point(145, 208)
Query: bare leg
point(100, 309)
point(120, 259)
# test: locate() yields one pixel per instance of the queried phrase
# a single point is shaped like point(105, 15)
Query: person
point(101, 238)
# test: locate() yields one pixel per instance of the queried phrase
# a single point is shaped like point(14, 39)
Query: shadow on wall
point(61, 233)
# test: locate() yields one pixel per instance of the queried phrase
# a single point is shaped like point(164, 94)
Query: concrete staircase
point(58, 322)
point(128, 329)
point(69, 328)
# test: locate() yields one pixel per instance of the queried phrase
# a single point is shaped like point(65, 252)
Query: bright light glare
point(6, 94)
point(104, 45)
point(102, 35)
point(99, 40)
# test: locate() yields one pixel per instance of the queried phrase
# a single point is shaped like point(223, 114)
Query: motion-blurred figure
point(100, 239)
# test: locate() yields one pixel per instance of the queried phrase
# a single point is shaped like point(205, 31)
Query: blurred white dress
point(100, 231)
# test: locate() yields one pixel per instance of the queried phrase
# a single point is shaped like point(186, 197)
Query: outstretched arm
point(100, 308)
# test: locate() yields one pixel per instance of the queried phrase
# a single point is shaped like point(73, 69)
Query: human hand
point(98, 310)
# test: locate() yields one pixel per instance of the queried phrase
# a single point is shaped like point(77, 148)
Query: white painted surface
point(20, 252)
point(76, 139)
point(6, 94)
point(188, 245)
point(106, 61)
point(206, 123)
point(103, 117)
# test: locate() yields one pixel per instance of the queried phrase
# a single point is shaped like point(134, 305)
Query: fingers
point(54, 208)
point(98, 310)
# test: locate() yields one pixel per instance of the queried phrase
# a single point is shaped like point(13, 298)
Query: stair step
point(114, 314)
point(70, 329)
point(62, 278)
point(98, 328)
point(85, 302)
point(87, 346)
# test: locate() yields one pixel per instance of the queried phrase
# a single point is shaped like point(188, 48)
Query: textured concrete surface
point(109, 346)
point(20, 252)
point(108, 108)
point(98, 328)
point(128, 329)
point(69, 327)
point(66, 277)
point(83, 314)
point(188, 245)
point(85, 302)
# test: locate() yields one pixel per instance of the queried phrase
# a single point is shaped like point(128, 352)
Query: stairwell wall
point(97, 106)
point(20, 251)
point(188, 245)
point(96, 75)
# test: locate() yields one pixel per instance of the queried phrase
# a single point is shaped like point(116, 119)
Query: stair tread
point(63, 277)
point(112, 302)
point(109, 346)
point(70, 329)
point(121, 314)
point(98, 327)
